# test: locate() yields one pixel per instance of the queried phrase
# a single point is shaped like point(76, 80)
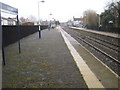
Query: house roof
point(8, 19)
point(77, 19)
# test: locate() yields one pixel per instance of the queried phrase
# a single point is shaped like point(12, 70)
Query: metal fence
point(11, 34)
point(105, 29)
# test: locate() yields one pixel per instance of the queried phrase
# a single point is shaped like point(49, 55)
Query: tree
point(22, 20)
point(112, 13)
point(32, 18)
point(106, 17)
point(90, 18)
point(115, 8)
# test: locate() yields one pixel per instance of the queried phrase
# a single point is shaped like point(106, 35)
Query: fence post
point(3, 53)
point(18, 27)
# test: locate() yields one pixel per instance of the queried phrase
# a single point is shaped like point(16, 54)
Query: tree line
point(109, 18)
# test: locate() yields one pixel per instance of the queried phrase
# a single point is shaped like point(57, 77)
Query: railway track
point(108, 50)
point(103, 42)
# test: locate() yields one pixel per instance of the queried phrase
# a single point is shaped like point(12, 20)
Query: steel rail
point(100, 42)
point(97, 49)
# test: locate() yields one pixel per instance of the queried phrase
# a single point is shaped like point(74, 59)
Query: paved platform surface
point(43, 63)
point(49, 63)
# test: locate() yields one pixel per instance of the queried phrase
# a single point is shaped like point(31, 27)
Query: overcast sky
point(62, 10)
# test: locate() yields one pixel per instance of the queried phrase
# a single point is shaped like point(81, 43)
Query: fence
point(105, 29)
point(11, 33)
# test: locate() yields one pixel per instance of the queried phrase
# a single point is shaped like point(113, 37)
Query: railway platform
point(55, 61)
point(99, 32)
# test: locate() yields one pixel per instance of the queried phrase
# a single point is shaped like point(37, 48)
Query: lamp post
point(49, 26)
point(39, 18)
point(54, 22)
point(99, 22)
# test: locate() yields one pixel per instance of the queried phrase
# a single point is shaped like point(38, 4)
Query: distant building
point(23, 21)
point(76, 19)
point(69, 23)
point(27, 23)
point(77, 22)
point(8, 21)
point(44, 22)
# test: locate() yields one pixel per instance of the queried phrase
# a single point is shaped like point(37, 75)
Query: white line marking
point(89, 77)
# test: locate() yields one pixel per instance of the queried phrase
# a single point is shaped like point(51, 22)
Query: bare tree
point(32, 18)
point(90, 18)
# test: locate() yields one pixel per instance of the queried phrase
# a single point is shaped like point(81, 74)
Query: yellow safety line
point(89, 77)
point(99, 60)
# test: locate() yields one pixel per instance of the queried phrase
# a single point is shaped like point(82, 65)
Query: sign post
point(18, 27)
point(10, 10)
point(1, 38)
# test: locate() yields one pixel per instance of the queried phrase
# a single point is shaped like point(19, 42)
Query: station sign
point(8, 8)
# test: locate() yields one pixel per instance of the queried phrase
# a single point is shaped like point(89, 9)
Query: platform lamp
point(49, 26)
point(39, 17)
